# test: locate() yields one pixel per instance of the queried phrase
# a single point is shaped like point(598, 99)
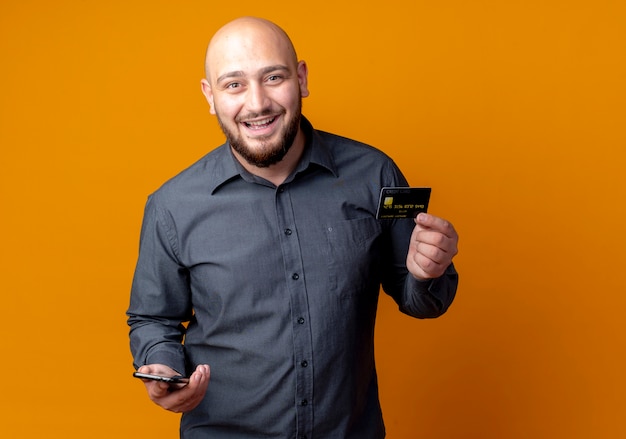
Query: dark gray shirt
point(279, 286)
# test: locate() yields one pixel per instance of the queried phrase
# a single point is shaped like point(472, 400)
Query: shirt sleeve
point(160, 294)
point(430, 298)
point(417, 298)
point(421, 299)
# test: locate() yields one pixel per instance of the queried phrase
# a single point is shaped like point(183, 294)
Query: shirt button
point(304, 363)
point(287, 232)
point(304, 402)
point(295, 276)
point(301, 320)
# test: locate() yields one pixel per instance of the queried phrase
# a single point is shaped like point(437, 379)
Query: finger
point(432, 237)
point(437, 240)
point(425, 267)
point(436, 223)
point(157, 369)
point(433, 252)
point(200, 377)
point(145, 369)
point(188, 397)
point(198, 383)
point(157, 389)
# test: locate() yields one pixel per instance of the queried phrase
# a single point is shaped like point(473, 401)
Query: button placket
point(296, 288)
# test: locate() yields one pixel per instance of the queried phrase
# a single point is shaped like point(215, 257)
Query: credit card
point(402, 202)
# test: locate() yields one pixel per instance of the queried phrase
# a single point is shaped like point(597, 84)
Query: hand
point(432, 247)
point(177, 400)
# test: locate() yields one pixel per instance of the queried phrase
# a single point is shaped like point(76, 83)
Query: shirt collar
point(316, 152)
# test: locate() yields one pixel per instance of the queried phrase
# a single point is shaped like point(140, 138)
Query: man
point(269, 248)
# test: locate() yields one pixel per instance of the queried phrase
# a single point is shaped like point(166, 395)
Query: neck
point(277, 173)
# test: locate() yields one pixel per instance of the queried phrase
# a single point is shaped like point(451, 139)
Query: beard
point(267, 153)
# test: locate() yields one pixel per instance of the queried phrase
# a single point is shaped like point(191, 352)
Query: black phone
point(174, 381)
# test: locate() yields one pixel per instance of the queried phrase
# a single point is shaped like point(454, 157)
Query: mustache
point(249, 116)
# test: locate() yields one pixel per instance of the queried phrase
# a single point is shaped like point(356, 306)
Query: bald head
point(243, 37)
point(254, 85)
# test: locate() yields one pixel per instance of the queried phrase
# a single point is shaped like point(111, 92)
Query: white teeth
point(259, 123)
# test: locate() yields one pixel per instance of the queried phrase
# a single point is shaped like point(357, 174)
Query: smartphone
point(175, 381)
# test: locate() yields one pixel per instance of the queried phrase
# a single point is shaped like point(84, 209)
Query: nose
point(257, 99)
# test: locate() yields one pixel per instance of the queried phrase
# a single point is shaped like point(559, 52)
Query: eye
point(274, 78)
point(234, 87)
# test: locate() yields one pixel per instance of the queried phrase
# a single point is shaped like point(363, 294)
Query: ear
point(208, 94)
point(303, 73)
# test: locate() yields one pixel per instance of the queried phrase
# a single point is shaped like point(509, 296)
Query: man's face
point(255, 88)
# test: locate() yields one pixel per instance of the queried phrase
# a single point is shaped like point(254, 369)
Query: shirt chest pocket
point(353, 249)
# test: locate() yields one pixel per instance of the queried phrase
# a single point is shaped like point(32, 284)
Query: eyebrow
point(263, 71)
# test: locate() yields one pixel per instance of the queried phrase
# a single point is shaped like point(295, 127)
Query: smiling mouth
point(260, 124)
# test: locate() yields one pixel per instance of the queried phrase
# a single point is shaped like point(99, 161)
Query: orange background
point(513, 111)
